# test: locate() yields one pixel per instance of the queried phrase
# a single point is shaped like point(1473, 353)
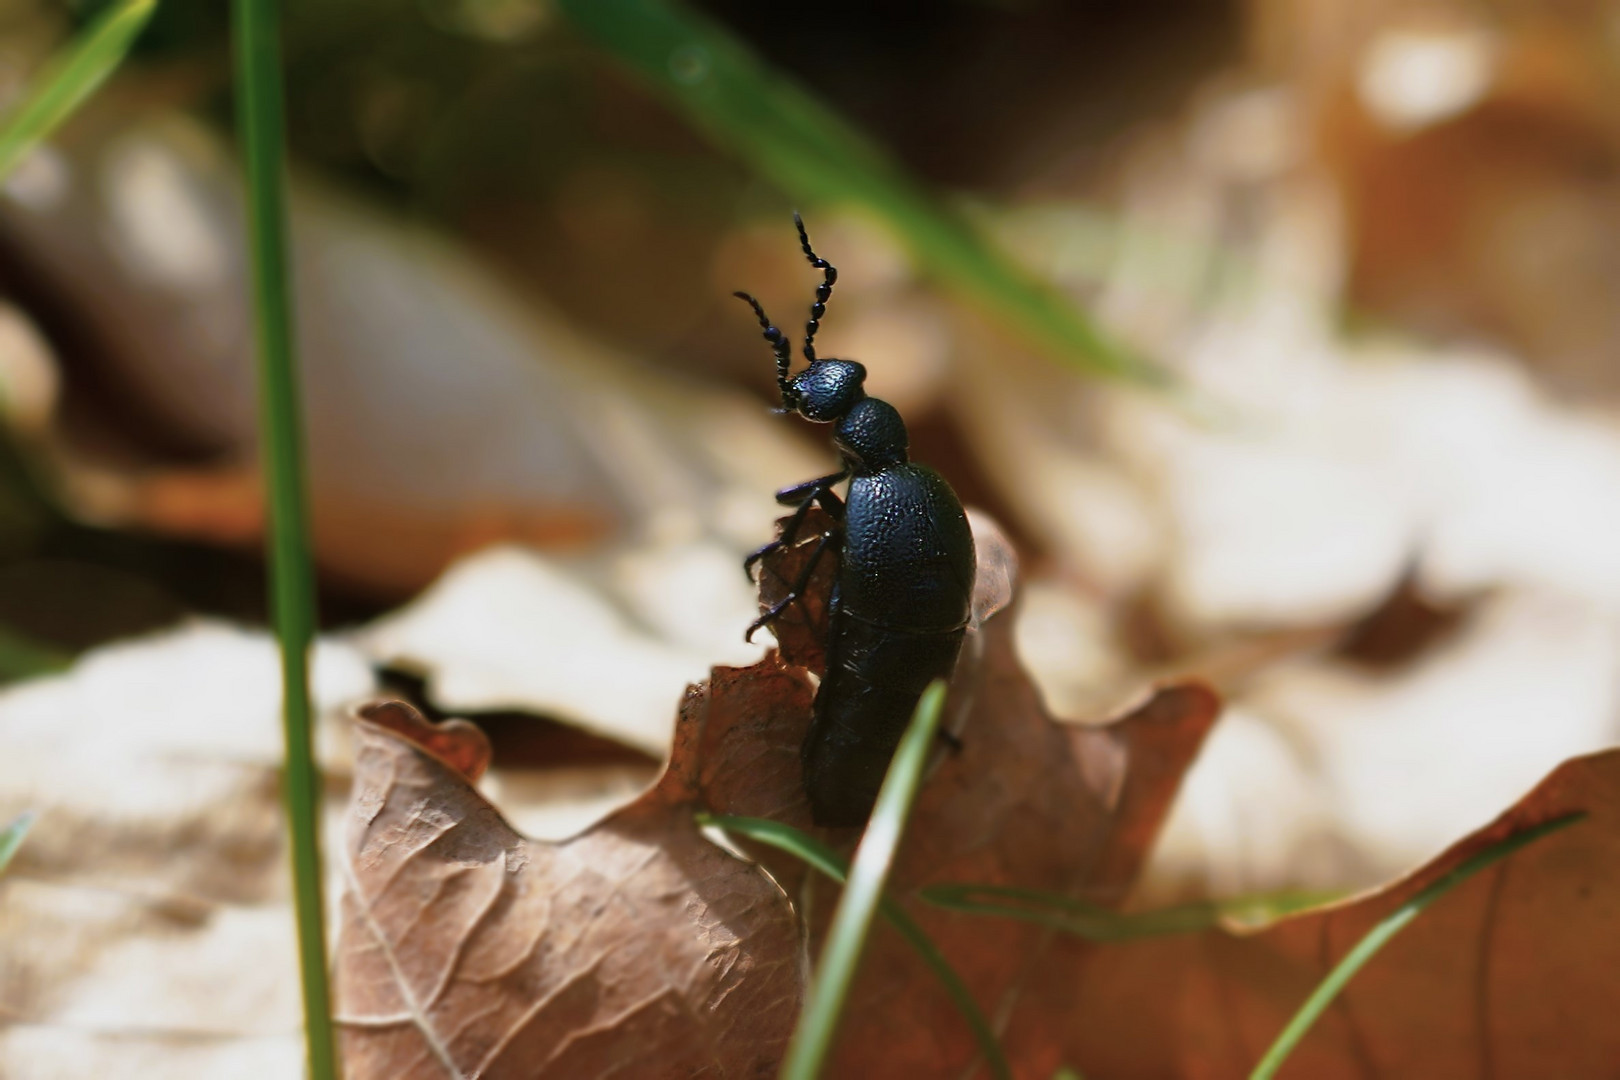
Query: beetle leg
point(790, 533)
point(781, 605)
point(804, 496)
point(831, 503)
point(758, 554)
point(810, 489)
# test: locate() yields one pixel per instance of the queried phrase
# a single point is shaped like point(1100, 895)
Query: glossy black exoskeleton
point(904, 580)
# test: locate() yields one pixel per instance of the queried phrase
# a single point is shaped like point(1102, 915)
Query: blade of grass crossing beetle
point(846, 937)
point(259, 97)
point(774, 125)
point(821, 858)
point(1380, 935)
point(70, 79)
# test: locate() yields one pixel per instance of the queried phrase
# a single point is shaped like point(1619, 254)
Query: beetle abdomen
point(874, 677)
point(907, 560)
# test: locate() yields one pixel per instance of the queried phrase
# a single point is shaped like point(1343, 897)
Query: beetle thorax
point(872, 437)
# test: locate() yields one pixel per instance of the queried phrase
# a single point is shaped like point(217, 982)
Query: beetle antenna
point(823, 291)
point(779, 344)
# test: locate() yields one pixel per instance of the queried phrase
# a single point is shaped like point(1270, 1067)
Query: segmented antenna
point(779, 344)
point(823, 291)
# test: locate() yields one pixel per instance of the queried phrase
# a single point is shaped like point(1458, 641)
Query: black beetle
point(904, 582)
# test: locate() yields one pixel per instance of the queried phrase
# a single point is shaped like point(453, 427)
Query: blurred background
point(1281, 337)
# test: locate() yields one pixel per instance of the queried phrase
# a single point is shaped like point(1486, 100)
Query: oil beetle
point(904, 580)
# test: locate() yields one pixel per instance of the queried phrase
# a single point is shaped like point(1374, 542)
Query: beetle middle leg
point(801, 497)
point(776, 609)
point(818, 488)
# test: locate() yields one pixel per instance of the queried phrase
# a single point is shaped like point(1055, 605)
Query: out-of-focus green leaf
point(766, 119)
point(71, 78)
point(21, 657)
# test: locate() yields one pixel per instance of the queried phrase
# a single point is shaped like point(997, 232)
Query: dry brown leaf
point(470, 950)
point(457, 743)
point(1511, 974)
point(636, 949)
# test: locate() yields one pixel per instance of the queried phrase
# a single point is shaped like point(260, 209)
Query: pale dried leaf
point(157, 863)
point(1342, 777)
point(511, 629)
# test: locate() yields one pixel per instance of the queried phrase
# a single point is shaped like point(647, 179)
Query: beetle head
point(826, 390)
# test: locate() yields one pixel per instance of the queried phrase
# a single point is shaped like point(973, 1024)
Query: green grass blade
point(11, 837)
point(71, 78)
point(805, 148)
point(1096, 923)
point(846, 937)
point(822, 859)
point(21, 657)
point(259, 104)
point(1380, 934)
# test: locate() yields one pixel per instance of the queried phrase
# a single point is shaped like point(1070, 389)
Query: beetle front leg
point(776, 609)
point(801, 497)
point(799, 493)
point(790, 533)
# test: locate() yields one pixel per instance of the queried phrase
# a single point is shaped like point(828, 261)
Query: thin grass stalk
point(1379, 936)
point(1096, 923)
point(821, 858)
point(846, 937)
point(259, 108)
